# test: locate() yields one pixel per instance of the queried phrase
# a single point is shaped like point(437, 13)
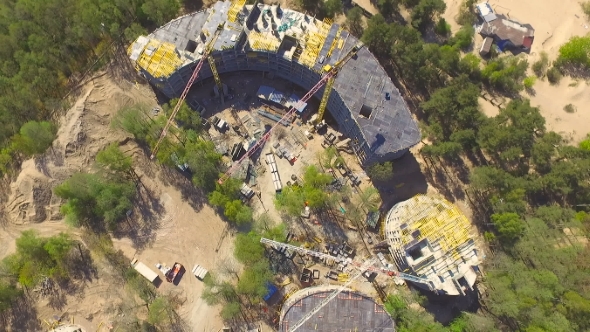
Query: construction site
point(430, 238)
point(262, 78)
point(316, 56)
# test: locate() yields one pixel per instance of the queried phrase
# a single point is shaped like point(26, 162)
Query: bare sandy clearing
point(551, 100)
point(175, 227)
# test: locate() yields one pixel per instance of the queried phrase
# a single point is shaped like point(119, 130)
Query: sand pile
point(83, 131)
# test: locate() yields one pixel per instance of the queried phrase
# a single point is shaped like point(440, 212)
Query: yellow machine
point(328, 89)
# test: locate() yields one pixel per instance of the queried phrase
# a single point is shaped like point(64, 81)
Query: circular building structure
point(282, 43)
point(430, 238)
point(348, 311)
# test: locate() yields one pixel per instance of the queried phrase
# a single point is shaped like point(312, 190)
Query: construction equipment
point(277, 245)
point(329, 298)
point(173, 272)
point(330, 73)
point(189, 84)
point(215, 73)
point(328, 90)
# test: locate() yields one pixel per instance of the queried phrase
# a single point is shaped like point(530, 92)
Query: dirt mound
point(31, 193)
point(83, 131)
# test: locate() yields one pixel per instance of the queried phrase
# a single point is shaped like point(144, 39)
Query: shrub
point(529, 82)
point(569, 108)
point(554, 75)
point(442, 28)
point(540, 66)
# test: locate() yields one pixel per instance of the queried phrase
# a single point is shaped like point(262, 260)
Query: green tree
point(248, 248)
point(509, 225)
point(160, 312)
point(425, 11)
point(35, 137)
point(575, 52)
point(8, 295)
point(92, 200)
point(114, 160)
point(354, 21)
point(160, 11)
point(381, 171)
point(387, 7)
point(204, 163)
point(464, 37)
point(135, 121)
point(378, 35)
point(230, 310)
point(253, 282)
point(333, 7)
point(442, 28)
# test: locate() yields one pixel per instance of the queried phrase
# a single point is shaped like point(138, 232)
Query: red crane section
point(182, 97)
point(284, 119)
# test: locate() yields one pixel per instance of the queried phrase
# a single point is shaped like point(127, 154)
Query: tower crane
point(368, 265)
point(330, 83)
point(189, 84)
point(329, 74)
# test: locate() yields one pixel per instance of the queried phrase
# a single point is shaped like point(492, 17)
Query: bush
point(554, 75)
point(575, 52)
point(442, 28)
point(529, 82)
point(464, 37)
point(540, 66)
point(569, 108)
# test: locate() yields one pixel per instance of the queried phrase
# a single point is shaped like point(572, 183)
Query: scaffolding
point(159, 59)
point(314, 42)
point(234, 10)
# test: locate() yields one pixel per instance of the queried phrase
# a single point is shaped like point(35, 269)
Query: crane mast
point(330, 73)
point(303, 251)
point(328, 90)
point(184, 93)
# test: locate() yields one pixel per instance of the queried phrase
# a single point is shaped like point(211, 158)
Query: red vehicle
point(173, 272)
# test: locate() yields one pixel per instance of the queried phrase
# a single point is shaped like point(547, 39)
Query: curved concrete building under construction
point(283, 43)
point(430, 238)
point(348, 311)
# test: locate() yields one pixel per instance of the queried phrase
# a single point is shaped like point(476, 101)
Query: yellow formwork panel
point(159, 59)
point(442, 223)
point(234, 9)
point(261, 42)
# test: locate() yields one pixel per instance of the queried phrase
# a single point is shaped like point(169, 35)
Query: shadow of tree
point(141, 227)
point(24, 315)
point(446, 308)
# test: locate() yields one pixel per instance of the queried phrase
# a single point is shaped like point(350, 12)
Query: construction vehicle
point(173, 273)
point(329, 73)
point(318, 121)
point(189, 84)
point(358, 270)
point(145, 271)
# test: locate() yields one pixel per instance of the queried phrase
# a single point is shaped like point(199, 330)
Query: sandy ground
point(176, 227)
point(551, 101)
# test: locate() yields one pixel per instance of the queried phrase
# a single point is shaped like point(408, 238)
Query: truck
point(145, 271)
point(173, 272)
